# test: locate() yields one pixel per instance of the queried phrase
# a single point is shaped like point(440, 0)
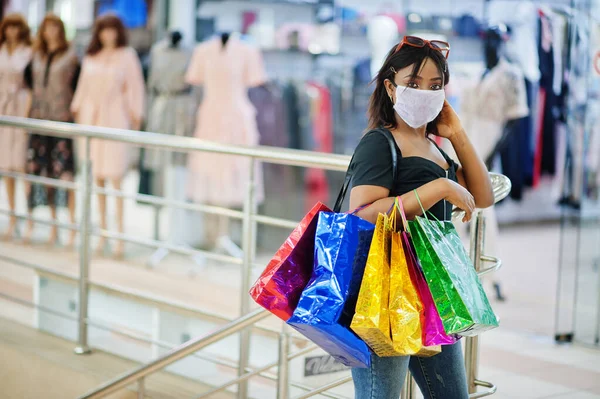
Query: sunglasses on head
point(415, 41)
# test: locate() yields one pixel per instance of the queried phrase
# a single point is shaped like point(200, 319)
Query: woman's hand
point(461, 198)
point(448, 122)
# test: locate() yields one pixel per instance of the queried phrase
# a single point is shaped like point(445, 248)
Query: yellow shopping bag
point(371, 320)
point(405, 306)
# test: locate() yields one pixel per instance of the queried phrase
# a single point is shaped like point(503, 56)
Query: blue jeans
point(442, 376)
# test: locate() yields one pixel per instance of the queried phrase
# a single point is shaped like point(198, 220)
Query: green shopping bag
point(457, 292)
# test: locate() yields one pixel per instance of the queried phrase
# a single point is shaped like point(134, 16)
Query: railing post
point(249, 248)
point(409, 389)
point(472, 343)
point(84, 252)
point(283, 370)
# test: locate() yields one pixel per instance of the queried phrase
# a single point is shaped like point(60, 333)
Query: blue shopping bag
point(327, 304)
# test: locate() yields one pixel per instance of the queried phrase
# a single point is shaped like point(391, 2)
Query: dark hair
point(107, 21)
point(381, 110)
point(18, 21)
point(41, 45)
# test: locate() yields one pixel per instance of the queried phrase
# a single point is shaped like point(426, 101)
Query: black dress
point(372, 166)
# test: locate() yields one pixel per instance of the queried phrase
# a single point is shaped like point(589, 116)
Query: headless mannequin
point(493, 52)
point(382, 33)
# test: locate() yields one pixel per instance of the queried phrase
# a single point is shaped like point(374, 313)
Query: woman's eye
point(412, 85)
point(436, 87)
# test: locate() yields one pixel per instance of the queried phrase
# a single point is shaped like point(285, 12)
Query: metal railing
point(249, 218)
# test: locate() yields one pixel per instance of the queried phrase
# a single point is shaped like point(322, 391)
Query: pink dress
point(110, 93)
point(226, 115)
point(13, 101)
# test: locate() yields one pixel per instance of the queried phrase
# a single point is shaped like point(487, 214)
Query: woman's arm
point(473, 175)
point(429, 194)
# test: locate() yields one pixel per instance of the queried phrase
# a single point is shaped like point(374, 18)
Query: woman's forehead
point(427, 70)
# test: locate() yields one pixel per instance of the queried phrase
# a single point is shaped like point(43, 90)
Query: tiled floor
point(521, 357)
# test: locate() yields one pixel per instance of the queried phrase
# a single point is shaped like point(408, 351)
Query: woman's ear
point(390, 90)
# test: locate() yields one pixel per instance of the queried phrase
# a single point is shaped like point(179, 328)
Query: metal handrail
point(176, 354)
point(181, 144)
point(197, 344)
point(501, 186)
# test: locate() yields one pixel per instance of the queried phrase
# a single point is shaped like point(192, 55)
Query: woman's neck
point(11, 46)
point(402, 127)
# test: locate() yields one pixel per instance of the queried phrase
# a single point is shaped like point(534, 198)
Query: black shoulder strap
point(392, 142)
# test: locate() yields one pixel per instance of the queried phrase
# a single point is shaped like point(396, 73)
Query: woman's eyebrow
point(413, 77)
point(436, 79)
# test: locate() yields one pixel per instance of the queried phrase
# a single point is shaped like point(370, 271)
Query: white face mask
point(418, 107)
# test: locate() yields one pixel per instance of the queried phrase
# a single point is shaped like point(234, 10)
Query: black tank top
point(372, 166)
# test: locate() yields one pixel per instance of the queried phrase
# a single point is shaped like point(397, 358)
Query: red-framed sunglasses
point(415, 41)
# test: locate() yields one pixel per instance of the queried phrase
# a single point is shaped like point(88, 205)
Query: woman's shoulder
point(373, 139)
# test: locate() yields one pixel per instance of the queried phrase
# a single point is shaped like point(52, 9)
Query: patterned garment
point(52, 79)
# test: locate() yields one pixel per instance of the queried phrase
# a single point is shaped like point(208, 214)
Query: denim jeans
point(442, 376)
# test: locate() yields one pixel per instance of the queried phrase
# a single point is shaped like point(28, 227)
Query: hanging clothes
point(546, 148)
point(226, 115)
point(110, 93)
point(13, 102)
point(53, 80)
point(315, 180)
point(270, 114)
point(170, 111)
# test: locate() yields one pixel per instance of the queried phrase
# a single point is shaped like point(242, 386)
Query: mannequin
point(226, 67)
point(382, 33)
point(170, 106)
point(491, 110)
point(110, 93)
point(52, 76)
point(15, 100)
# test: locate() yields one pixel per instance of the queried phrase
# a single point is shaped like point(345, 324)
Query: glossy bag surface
point(327, 304)
point(280, 285)
point(455, 287)
point(371, 320)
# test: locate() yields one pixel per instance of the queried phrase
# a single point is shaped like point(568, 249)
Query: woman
point(110, 93)
point(15, 100)
point(52, 76)
point(409, 101)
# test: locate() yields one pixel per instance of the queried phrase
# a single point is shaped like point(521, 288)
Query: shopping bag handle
point(423, 209)
point(398, 204)
point(348, 178)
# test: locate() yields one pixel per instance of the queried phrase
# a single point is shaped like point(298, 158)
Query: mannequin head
point(382, 33)
point(109, 32)
point(493, 43)
point(419, 68)
point(51, 36)
point(14, 30)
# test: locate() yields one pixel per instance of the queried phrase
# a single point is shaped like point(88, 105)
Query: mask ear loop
point(392, 82)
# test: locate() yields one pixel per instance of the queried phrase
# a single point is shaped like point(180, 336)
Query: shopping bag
point(371, 321)
point(327, 304)
point(431, 324)
point(455, 287)
point(280, 285)
point(406, 309)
